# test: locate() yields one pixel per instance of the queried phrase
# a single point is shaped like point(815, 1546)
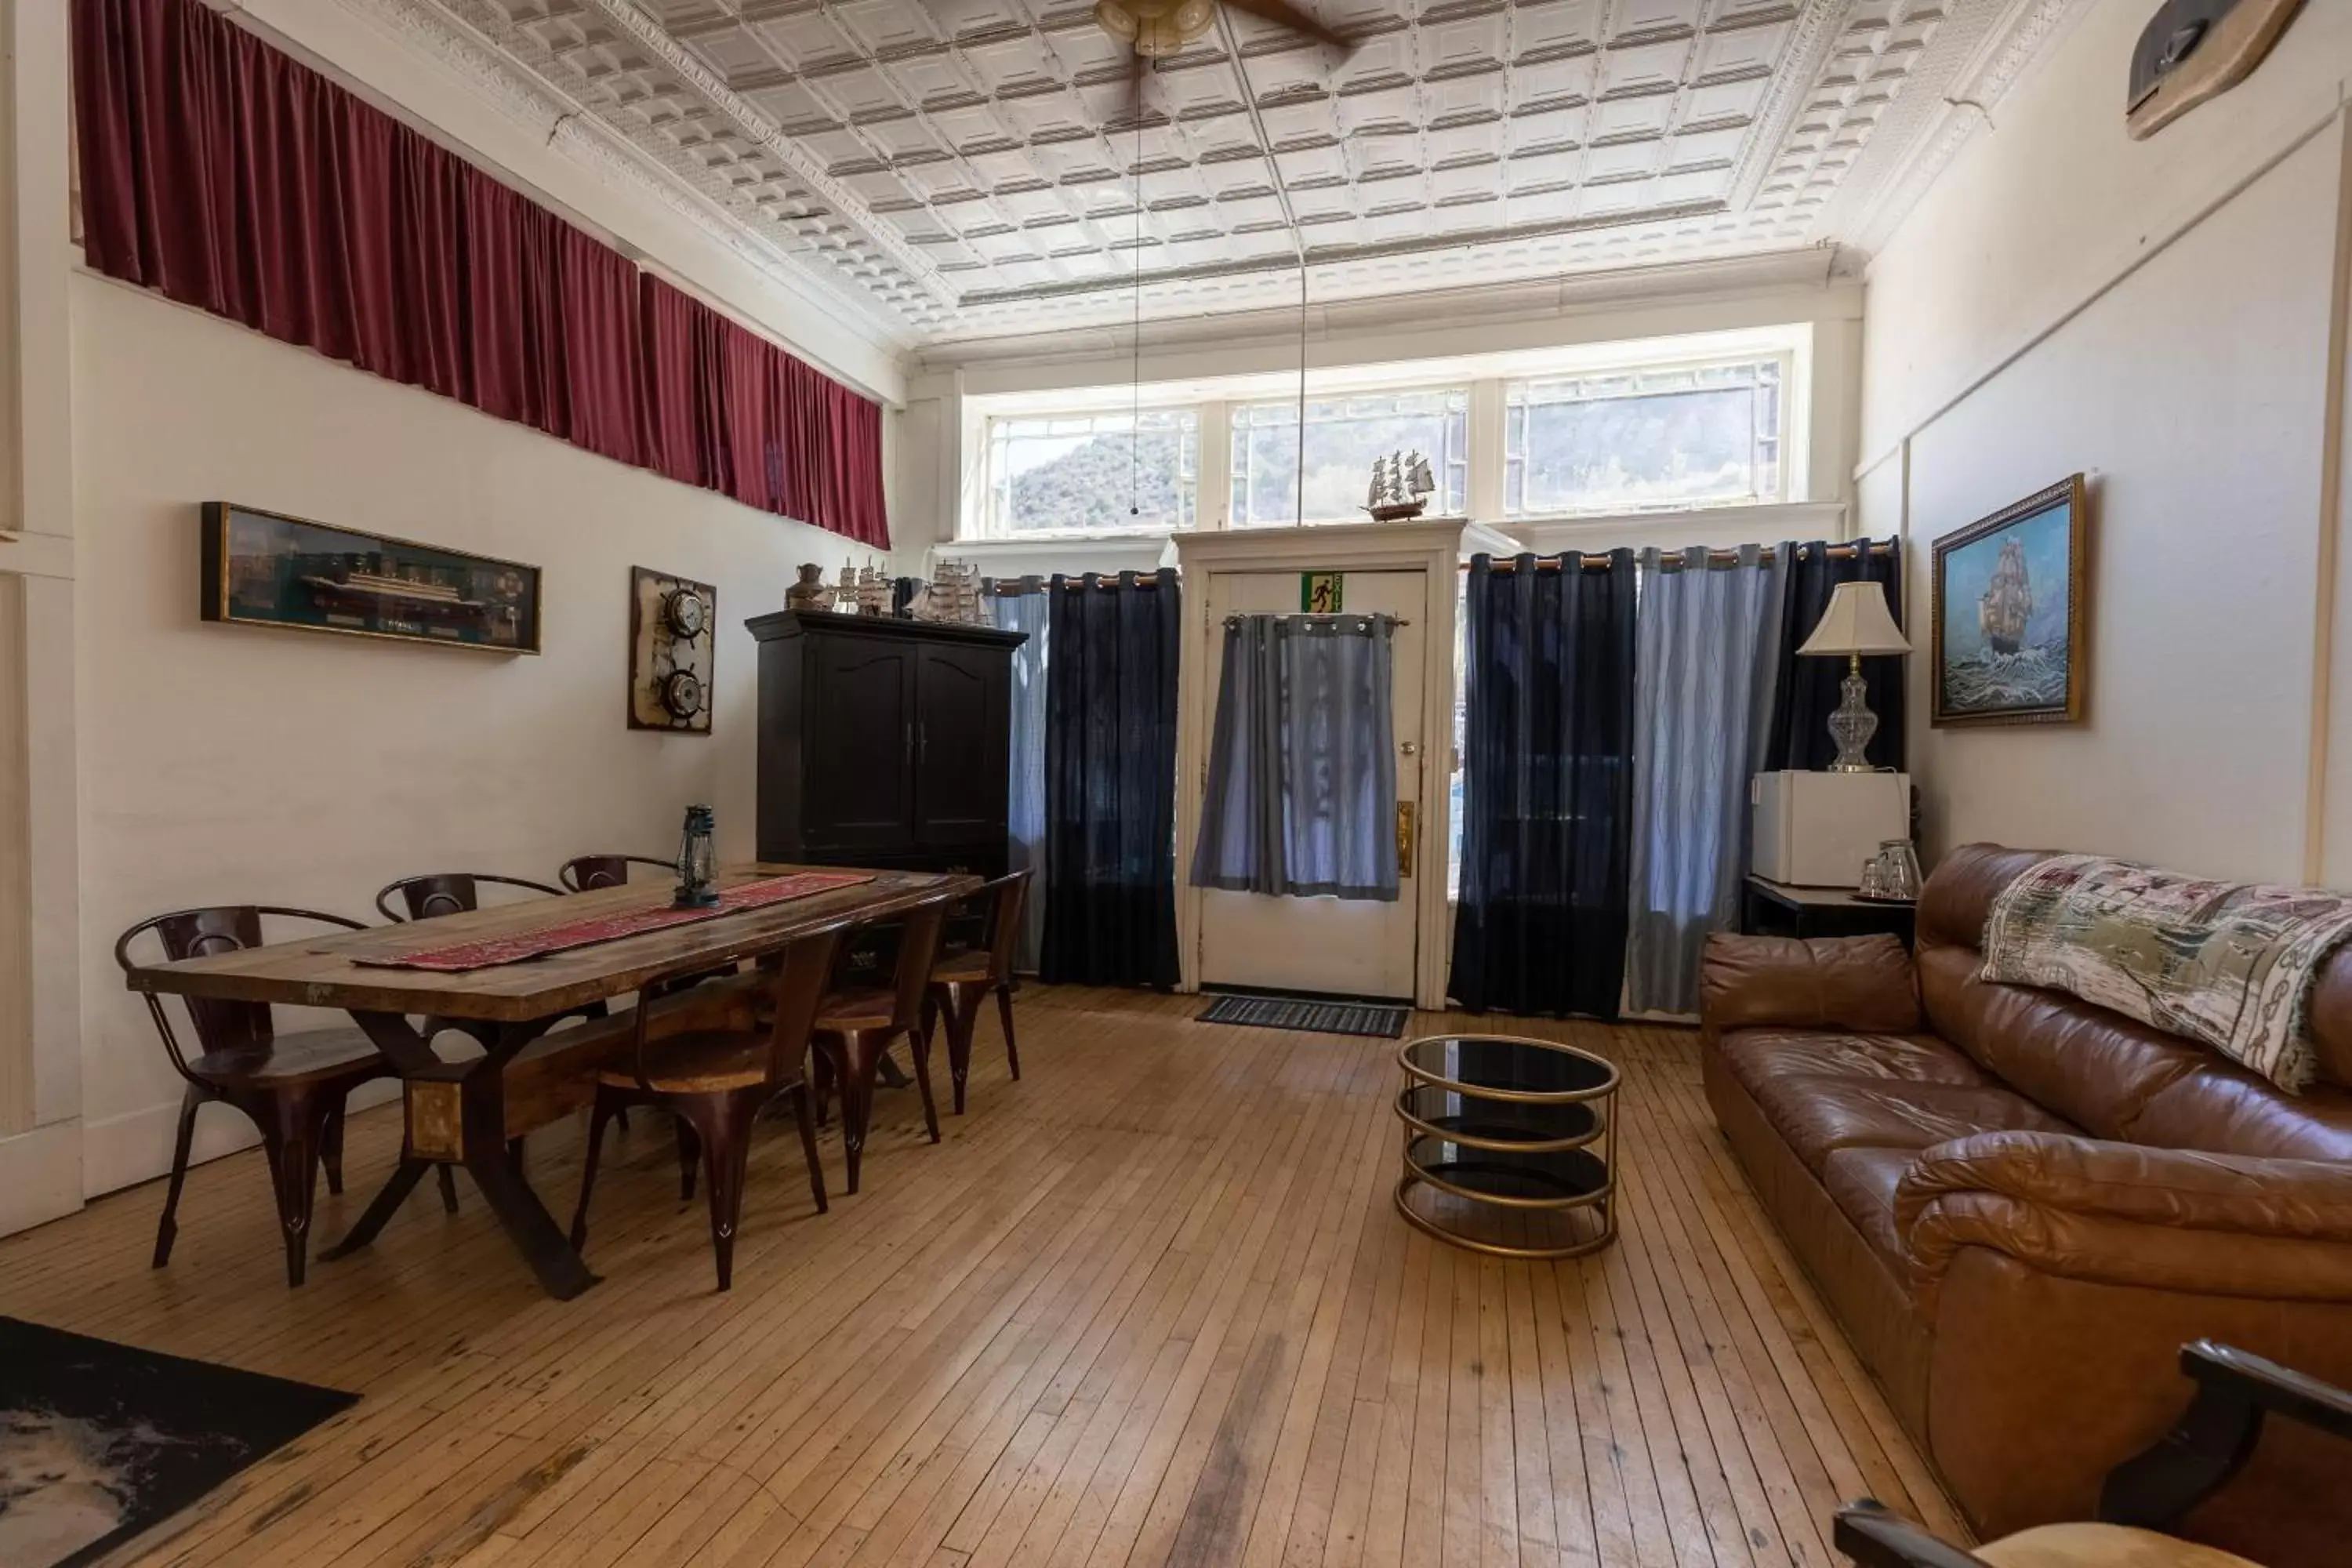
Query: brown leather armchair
point(2145, 1495)
point(2020, 1205)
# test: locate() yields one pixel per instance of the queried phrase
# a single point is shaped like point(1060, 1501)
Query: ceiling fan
point(1156, 27)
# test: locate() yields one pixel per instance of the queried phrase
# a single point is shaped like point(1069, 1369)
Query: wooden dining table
point(468, 1111)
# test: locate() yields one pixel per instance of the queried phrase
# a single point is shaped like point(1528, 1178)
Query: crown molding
point(656, 40)
point(2002, 55)
point(483, 65)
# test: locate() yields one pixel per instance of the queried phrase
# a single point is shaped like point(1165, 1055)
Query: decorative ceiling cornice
point(953, 180)
point(648, 35)
point(524, 98)
point(2011, 46)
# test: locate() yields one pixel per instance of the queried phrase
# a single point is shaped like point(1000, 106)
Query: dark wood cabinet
point(884, 743)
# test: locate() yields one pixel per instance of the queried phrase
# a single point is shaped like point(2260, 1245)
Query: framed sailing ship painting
point(2011, 597)
point(259, 568)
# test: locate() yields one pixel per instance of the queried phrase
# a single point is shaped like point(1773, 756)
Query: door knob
point(1411, 748)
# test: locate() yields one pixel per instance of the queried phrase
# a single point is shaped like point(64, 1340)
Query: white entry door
point(1351, 947)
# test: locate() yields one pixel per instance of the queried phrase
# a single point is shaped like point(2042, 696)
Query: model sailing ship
point(1402, 486)
point(2008, 601)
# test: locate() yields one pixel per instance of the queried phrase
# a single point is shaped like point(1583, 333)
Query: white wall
point(228, 764)
point(2167, 317)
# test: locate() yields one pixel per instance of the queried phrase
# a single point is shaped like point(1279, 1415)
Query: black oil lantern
point(697, 866)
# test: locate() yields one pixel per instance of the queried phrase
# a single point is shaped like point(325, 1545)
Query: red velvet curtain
point(221, 173)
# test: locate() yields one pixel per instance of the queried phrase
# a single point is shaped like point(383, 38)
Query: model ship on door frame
point(1402, 486)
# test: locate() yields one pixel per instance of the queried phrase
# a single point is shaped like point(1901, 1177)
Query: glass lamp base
point(1853, 725)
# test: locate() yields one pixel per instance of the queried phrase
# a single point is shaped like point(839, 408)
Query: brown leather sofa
point(2021, 1206)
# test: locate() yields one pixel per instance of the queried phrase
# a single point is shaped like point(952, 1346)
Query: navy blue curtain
point(1807, 689)
point(1547, 786)
point(1110, 782)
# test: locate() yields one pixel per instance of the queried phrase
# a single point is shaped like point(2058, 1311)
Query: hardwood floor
point(1150, 1305)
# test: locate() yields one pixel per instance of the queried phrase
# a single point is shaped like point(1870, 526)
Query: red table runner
point(491, 951)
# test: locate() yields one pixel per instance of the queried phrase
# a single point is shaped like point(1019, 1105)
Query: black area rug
point(1377, 1019)
point(98, 1441)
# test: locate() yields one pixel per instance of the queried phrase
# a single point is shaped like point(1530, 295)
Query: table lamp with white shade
point(1856, 623)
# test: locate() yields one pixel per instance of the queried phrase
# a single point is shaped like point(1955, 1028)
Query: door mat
point(98, 1441)
point(1377, 1019)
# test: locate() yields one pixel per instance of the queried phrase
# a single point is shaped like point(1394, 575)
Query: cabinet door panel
point(962, 739)
point(860, 725)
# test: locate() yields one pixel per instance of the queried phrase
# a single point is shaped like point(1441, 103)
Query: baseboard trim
point(123, 1151)
point(40, 1176)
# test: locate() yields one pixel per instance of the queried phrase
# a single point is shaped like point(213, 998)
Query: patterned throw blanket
point(2225, 963)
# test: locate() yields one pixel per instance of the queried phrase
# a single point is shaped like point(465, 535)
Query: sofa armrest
point(2124, 1214)
point(1861, 983)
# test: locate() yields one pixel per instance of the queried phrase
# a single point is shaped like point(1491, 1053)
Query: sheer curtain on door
point(1022, 607)
point(1302, 787)
point(1703, 694)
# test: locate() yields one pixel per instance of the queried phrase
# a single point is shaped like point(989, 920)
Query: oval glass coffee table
point(1509, 1144)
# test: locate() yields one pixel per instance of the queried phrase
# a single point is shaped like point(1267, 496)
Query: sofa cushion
point(2223, 1109)
point(2097, 1069)
point(1862, 1182)
point(1818, 1116)
point(1755, 1054)
point(1831, 983)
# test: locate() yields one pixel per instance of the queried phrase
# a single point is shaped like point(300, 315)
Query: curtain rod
point(1327, 615)
point(1015, 587)
point(1674, 562)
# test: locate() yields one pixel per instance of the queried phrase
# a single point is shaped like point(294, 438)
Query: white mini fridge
point(1815, 830)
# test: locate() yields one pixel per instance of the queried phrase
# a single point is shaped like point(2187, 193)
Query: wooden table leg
point(488, 1158)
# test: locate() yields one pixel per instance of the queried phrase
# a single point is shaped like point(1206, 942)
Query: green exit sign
point(1322, 593)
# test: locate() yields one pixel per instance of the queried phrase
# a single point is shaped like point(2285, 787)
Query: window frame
point(1784, 440)
point(1487, 378)
point(993, 525)
point(1235, 481)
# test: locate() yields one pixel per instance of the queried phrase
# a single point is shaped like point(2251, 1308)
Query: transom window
point(1631, 440)
point(1343, 435)
point(1094, 473)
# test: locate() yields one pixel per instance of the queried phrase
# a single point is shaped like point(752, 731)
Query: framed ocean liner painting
point(2011, 597)
point(265, 569)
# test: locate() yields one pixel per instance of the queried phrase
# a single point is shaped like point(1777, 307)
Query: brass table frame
point(1602, 1100)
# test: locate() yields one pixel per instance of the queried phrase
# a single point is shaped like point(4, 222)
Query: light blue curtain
point(1302, 788)
point(1702, 694)
point(1025, 611)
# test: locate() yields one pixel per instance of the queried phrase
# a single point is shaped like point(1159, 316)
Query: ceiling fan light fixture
point(1156, 26)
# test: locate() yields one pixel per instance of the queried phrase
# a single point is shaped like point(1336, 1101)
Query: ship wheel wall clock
point(2198, 49)
point(672, 623)
point(2010, 614)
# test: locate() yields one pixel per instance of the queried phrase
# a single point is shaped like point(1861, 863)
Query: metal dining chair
point(291, 1087)
point(855, 1027)
point(446, 893)
point(715, 1074)
point(586, 873)
point(437, 893)
point(961, 982)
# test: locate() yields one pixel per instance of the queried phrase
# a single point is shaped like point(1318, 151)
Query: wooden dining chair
point(964, 980)
point(292, 1087)
point(856, 1026)
point(586, 873)
point(714, 1069)
point(454, 893)
point(446, 893)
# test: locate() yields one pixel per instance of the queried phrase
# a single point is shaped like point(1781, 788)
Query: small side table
point(1509, 1144)
point(1777, 909)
